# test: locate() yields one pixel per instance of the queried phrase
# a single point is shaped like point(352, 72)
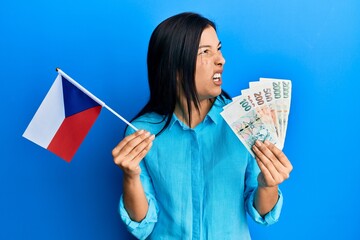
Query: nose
point(219, 60)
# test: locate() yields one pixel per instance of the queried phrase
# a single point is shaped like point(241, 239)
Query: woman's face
point(209, 65)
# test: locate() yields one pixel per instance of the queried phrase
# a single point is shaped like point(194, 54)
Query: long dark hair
point(171, 60)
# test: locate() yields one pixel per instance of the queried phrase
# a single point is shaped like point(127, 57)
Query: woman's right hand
point(131, 150)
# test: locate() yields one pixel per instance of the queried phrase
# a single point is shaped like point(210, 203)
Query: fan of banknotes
point(261, 112)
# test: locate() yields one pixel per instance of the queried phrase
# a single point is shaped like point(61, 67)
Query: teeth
point(217, 75)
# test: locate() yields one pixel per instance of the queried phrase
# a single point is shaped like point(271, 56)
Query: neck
point(197, 116)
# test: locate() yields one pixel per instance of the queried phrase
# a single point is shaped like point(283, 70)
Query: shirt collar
point(213, 114)
point(175, 119)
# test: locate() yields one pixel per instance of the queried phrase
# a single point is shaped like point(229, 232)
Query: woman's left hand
point(274, 165)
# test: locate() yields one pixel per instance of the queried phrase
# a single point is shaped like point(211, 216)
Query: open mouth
point(217, 77)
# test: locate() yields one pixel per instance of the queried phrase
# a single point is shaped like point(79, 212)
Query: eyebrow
point(208, 46)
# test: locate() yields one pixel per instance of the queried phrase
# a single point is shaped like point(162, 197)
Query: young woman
point(195, 179)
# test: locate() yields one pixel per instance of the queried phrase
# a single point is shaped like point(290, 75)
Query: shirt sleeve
point(271, 217)
point(143, 229)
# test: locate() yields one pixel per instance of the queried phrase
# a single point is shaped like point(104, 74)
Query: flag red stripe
point(72, 132)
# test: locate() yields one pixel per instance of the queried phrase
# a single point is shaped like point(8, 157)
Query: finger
point(280, 156)
point(141, 155)
point(268, 178)
point(266, 163)
point(122, 143)
point(130, 163)
point(134, 146)
point(264, 150)
point(128, 144)
point(278, 171)
point(273, 153)
point(121, 155)
point(139, 152)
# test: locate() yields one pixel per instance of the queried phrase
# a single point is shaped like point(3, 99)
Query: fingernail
point(152, 137)
point(258, 143)
point(147, 134)
point(267, 143)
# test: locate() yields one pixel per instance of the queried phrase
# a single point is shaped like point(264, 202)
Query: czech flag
point(64, 118)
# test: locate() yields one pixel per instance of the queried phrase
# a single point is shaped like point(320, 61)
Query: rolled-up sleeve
point(143, 229)
point(252, 171)
point(271, 217)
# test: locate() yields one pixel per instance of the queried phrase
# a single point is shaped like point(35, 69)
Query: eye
point(219, 48)
point(203, 52)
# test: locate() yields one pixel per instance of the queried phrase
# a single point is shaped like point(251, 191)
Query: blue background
point(103, 45)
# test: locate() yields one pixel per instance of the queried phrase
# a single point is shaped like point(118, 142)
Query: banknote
point(261, 112)
point(282, 94)
point(265, 93)
point(264, 103)
point(287, 87)
point(248, 123)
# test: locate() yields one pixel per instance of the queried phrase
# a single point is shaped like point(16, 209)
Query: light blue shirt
point(199, 182)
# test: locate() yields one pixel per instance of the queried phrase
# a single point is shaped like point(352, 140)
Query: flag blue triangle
point(75, 100)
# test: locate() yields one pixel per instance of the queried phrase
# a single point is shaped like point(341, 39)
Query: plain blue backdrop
point(103, 44)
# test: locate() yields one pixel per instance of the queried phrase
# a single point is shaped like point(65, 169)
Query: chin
point(218, 92)
point(214, 95)
point(211, 94)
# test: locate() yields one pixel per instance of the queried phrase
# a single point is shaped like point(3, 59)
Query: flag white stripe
point(48, 117)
